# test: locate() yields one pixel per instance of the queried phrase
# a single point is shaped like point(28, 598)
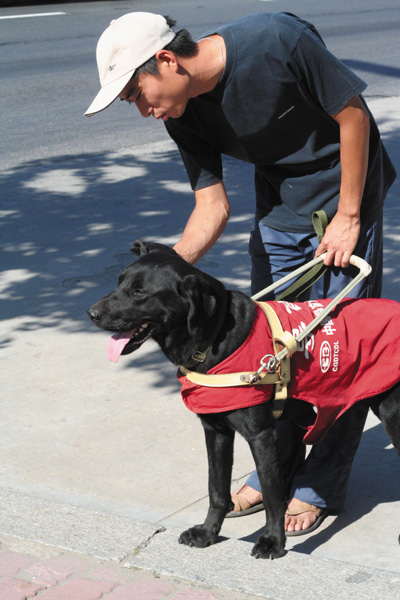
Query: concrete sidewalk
point(93, 467)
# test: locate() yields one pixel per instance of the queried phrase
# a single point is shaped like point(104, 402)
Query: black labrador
point(185, 310)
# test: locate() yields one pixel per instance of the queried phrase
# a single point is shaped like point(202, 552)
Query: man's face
point(163, 97)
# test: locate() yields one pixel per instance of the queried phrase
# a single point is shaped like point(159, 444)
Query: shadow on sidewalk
point(373, 482)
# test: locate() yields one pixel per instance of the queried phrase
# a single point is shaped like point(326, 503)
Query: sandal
point(242, 506)
point(321, 512)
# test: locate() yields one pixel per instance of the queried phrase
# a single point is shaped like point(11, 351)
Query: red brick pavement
point(66, 576)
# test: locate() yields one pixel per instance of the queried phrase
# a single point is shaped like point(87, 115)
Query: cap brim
point(108, 94)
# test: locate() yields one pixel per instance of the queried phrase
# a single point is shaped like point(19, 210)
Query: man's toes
point(300, 522)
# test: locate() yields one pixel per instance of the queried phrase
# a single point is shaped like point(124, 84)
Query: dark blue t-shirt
point(272, 108)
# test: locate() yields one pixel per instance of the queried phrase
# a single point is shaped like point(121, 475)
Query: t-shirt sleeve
point(203, 163)
point(327, 79)
point(200, 176)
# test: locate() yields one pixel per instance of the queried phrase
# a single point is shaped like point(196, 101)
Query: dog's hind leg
point(387, 408)
point(220, 460)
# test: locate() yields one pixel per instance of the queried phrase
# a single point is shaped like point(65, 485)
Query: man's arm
point(206, 223)
point(343, 232)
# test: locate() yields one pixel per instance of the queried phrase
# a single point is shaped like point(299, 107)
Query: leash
point(299, 287)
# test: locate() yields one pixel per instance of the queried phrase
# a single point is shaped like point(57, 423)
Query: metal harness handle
point(364, 270)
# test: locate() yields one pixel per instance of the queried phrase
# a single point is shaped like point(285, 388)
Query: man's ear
point(202, 303)
point(167, 58)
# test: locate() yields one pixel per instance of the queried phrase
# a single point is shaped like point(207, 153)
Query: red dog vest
point(353, 354)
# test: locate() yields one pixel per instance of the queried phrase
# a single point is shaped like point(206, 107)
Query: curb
point(138, 545)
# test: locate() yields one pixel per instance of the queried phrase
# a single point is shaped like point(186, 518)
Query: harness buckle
point(268, 365)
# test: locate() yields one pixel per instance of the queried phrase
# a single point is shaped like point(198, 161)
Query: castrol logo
point(325, 356)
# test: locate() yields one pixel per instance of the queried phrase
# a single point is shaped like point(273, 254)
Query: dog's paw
point(268, 547)
point(197, 537)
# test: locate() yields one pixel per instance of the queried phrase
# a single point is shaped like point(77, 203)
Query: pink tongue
point(117, 343)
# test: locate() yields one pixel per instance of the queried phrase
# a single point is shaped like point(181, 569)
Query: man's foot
point(247, 501)
point(302, 518)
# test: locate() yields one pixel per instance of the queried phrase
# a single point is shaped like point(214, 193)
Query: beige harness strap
point(283, 339)
point(228, 379)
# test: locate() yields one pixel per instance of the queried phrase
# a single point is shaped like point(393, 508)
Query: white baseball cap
point(123, 47)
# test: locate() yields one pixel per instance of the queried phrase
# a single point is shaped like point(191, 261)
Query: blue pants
point(320, 479)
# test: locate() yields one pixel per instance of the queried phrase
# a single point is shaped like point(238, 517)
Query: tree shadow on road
point(68, 225)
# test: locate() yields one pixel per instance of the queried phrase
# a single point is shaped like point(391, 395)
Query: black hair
point(182, 45)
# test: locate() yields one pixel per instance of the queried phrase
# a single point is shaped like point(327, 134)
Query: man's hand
point(339, 241)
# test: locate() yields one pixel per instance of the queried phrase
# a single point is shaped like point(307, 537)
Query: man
point(266, 90)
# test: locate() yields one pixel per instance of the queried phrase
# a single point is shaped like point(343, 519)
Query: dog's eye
point(138, 292)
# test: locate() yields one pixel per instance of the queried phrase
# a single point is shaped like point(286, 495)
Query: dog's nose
point(94, 314)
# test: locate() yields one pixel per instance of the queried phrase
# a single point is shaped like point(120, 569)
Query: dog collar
point(199, 356)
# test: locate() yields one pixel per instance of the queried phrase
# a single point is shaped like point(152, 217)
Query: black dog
point(188, 313)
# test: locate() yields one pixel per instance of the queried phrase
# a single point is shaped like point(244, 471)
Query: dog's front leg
point(256, 425)
point(271, 543)
point(220, 460)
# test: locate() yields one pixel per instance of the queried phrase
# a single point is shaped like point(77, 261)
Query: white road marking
point(54, 14)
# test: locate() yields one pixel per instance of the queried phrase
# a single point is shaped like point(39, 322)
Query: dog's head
point(162, 296)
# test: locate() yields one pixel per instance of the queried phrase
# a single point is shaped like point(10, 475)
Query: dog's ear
point(139, 248)
point(202, 302)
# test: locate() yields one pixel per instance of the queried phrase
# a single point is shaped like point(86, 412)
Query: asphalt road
point(49, 76)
